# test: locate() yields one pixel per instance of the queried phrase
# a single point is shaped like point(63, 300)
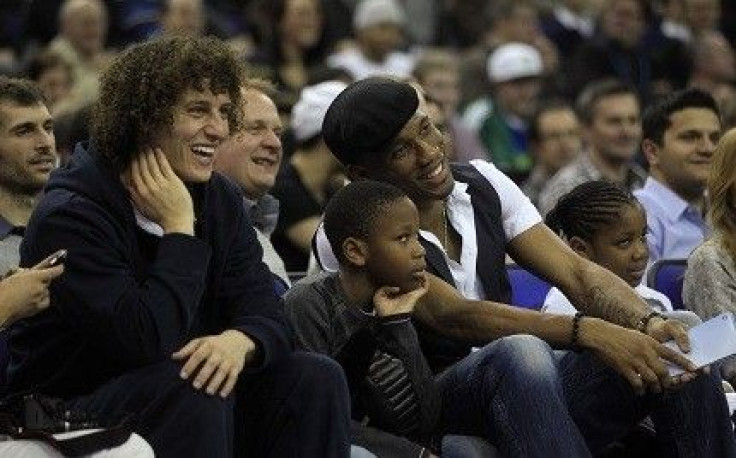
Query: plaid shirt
point(580, 171)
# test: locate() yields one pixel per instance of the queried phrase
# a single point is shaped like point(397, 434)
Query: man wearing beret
point(514, 390)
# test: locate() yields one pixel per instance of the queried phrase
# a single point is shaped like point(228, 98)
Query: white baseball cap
point(373, 12)
point(309, 112)
point(512, 61)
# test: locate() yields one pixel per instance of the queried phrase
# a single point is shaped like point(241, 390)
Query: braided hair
point(588, 207)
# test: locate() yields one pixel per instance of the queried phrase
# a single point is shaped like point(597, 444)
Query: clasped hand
point(214, 362)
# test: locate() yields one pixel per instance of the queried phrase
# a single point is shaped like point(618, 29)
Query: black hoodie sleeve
point(98, 296)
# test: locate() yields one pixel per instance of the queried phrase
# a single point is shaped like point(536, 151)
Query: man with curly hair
point(166, 309)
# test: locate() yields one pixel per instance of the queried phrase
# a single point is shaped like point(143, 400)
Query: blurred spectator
point(40, 22)
point(437, 72)
point(610, 116)
point(621, 50)
point(11, 34)
point(302, 185)
point(702, 15)
point(80, 42)
point(140, 20)
point(293, 41)
point(672, 23)
point(567, 25)
point(183, 17)
point(379, 34)
point(252, 159)
point(507, 21)
point(460, 24)
point(555, 140)
point(500, 121)
point(714, 66)
point(425, 15)
point(679, 136)
point(54, 77)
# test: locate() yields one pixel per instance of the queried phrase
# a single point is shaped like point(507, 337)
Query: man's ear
point(651, 151)
point(355, 251)
point(581, 247)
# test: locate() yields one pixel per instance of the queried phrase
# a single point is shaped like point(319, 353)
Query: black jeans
point(297, 407)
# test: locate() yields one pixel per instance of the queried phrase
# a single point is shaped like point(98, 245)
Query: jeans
point(692, 421)
point(467, 447)
point(530, 401)
point(509, 392)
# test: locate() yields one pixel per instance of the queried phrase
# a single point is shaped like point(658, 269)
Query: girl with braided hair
point(606, 224)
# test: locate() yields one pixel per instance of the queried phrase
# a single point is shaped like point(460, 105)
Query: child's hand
point(388, 300)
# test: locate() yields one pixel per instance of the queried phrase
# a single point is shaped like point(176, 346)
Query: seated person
point(606, 224)
point(709, 287)
point(303, 184)
point(165, 308)
point(470, 217)
point(24, 293)
point(365, 309)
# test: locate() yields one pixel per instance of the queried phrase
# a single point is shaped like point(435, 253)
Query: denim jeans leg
point(691, 421)
point(602, 403)
point(510, 393)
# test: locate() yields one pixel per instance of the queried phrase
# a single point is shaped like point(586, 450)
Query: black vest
point(490, 265)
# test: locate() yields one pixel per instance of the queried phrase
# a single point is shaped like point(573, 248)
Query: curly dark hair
point(143, 85)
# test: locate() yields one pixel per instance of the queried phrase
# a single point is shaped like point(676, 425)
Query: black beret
point(366, 117)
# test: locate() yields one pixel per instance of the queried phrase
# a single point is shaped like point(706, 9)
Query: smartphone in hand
point(54, 260)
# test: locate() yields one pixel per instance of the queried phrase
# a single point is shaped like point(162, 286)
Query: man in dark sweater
point(166, 309)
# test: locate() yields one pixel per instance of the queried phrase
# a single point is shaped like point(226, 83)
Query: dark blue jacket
point(129, 298)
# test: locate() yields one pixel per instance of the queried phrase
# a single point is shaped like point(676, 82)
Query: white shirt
point(146, 224)
point(354, 62)
point(557, 303)
point(517, 214)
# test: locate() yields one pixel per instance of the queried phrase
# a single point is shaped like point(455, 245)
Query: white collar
point(146, 224)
